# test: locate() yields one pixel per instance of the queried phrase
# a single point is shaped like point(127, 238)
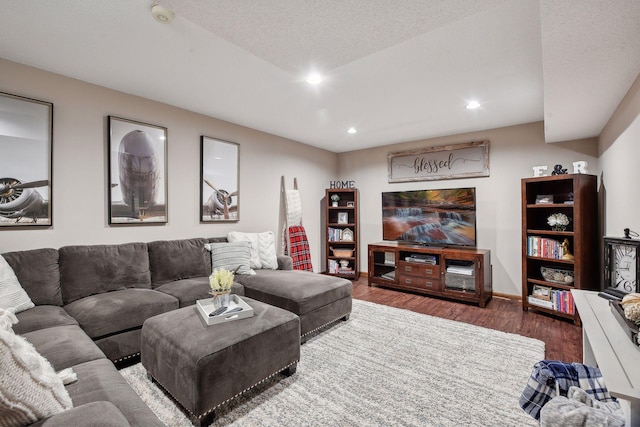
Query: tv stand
point(462, 274)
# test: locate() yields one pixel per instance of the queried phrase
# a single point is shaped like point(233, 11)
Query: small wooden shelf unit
point(341, 233)
point(575, 195)
point(456, 273)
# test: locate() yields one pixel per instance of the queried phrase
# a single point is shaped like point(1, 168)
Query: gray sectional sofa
point(91, 302)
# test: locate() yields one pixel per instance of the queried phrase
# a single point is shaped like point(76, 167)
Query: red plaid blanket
point(299, 248)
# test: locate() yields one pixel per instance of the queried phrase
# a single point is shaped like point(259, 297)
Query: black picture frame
point(137, 164)
point(26, 141)
point(219, 180)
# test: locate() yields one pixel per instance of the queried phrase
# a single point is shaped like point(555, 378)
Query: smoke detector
point(161, 14)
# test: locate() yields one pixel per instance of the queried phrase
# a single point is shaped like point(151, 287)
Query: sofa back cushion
point(171, 260)
point(38, 274)
point(91, 270)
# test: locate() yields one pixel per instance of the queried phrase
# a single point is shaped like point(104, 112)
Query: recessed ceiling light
point(314, 78)
point(352, 130)
point(472, 105)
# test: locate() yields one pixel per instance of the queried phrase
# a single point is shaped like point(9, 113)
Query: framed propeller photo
point(26, 139)
point(219, 180)
point(137, 172)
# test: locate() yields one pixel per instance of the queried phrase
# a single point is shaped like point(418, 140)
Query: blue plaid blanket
point(551, 378)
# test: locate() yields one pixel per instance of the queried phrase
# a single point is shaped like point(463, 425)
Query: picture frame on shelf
point(137, 168)
point(351, 204)
point(26, 135)
point(347, 235)
point(541, 292)
point(343, 217)
point(544, 199)
point(219, 180)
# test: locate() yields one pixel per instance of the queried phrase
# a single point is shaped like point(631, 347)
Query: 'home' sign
point(342, 184)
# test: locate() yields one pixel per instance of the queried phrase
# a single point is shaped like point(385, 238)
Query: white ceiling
point(397, 70)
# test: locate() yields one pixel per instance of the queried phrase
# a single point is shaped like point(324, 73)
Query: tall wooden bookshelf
point(556, 261)
point(341, 233)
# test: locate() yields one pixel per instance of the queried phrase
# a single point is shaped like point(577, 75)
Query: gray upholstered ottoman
point(203, 366)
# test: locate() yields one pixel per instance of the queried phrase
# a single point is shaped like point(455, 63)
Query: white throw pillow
point(263, 247)
point(30, 389)
point(252, 238)
point(232, 256)
point(11, 293)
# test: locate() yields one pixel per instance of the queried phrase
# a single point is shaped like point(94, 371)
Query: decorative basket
point(346, 253)
point(556, 275)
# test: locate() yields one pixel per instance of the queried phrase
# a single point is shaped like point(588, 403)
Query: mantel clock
point(622, 263)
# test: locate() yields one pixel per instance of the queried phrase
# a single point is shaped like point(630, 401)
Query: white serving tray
point(205, 306)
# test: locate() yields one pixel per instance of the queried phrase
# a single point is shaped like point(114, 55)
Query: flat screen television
point(430, 217)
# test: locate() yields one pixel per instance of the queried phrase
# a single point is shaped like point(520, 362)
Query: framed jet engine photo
point(219, 180)
point(137, 172)
point(26, 140)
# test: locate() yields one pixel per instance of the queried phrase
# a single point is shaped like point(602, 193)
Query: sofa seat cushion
point(64, 346)
point(42, 317)
point(297, 291)
point(99, 380)
point(30, 390)
point(106, 414)
point(91, 270)
point(171, 260)
point(117, 311)
point(188, 291)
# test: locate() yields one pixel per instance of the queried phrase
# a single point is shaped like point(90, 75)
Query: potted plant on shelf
point(334, 200)
point(558, 221)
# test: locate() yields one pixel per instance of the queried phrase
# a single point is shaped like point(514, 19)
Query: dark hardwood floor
point(563, 339)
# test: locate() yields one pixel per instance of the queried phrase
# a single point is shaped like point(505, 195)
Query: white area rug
point(384, 367)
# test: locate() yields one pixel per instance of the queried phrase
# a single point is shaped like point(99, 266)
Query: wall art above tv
point(467, 160)
point(432, 217)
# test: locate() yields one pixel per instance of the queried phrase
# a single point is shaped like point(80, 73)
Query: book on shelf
point(561, 301)
point(540, 302)
point(544, 247)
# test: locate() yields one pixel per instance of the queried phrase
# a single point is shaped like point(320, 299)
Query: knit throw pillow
point(262, 250)
point(30, 389)
point(11, 293)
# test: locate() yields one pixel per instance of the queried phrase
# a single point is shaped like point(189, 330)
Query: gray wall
point(80, 167)
point(513, 152)
point(80, 175)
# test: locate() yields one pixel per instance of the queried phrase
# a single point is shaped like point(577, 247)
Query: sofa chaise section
point(317, 299)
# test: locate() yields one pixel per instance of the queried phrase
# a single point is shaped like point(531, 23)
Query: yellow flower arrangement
point(221, 280)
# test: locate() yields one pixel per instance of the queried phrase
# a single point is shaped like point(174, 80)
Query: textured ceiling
point(397, 71)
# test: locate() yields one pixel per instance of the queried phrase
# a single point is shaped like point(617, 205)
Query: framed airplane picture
point(219, 180)
point(137, 172)
point(26, 140)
